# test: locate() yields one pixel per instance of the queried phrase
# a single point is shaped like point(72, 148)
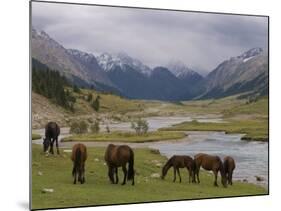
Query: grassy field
point(35, 136)
point(55, 172)
point(127, 137)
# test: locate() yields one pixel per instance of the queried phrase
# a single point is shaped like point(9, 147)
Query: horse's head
point(224, 182)
point(46, 144)
point(164, 172)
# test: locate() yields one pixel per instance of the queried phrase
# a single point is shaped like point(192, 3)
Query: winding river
point(251, 157)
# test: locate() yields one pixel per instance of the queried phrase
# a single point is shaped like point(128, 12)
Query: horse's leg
point(174, 174)
point(74, 174)
point(125, 174)
point(227, 176)
point(83, 174)
point(197, 173)
point(216, 177)
point(178, 170)
point(116, 175)
point(110, 171)
point(51, 146)
point(189, 174)
point(57, 145)
point(230, 177)
point(133, 180)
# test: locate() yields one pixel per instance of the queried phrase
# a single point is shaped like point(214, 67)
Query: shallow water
point(159, 122)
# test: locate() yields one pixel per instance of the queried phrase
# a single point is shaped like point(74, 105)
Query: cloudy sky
point(155, 37)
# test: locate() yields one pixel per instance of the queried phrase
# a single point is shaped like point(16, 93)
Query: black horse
point(52, 131)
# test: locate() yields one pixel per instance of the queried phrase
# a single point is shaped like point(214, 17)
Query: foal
point(179, 161)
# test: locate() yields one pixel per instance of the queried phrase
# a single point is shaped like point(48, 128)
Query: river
point(251, 156)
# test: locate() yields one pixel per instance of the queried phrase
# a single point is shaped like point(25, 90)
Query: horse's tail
point(193, 165)
point(226, 166)
point(131, 171)
point(193, 169)
point(77, 160)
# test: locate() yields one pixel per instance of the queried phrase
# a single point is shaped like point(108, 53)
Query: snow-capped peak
point(250, 54)
point(42, 35)
point(80, 54)
point(108, 61)
point(179, 69)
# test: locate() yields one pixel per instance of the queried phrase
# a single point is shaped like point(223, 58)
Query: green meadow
point(54, 172)
point(132, 137)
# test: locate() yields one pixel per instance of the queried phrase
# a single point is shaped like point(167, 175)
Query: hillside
point(247, 72)
point(112, 107)
point(79, 67)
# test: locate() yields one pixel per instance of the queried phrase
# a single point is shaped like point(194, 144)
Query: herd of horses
point(122, 156)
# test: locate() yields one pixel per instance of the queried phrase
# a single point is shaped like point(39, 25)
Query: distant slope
point(79, 67)
point(192, 81)
point(245, 73)
point(136, 80)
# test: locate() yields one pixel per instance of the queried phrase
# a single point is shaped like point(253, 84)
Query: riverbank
point(54, 172)
point(253, 129)
point(130, 137)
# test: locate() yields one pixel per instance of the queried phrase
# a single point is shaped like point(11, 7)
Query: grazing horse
point(118, 156)
point(52, 131)
point(210, 163)
point(79, 156)
point(229, 166)
point(179, 161)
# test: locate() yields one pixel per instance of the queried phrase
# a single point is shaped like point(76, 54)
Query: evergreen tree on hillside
point(50, 84)
point(96, 103)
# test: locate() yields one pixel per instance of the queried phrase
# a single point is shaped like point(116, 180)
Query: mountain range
point(129, 77)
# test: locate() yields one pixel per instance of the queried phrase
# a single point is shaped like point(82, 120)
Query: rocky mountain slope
point(245, 73)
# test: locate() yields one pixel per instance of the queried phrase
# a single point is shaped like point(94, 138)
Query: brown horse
point(179, 161)
point(210, 163)
point(229, 166)
point(79, 156)
point(118, 156)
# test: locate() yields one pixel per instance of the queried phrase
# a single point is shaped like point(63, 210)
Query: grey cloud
point(155, 37)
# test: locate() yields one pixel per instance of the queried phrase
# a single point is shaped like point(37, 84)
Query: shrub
point(76, 89)
point(95, 127)
point(140, 126)
point(107, 129)
point(79, 127)
point(90, 97)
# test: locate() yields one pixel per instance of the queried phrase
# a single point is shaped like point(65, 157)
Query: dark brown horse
point(52, 132)
point(79, 156)
point(229, 166)
point(118, 156)
point(179, 161)
point(210, 163)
